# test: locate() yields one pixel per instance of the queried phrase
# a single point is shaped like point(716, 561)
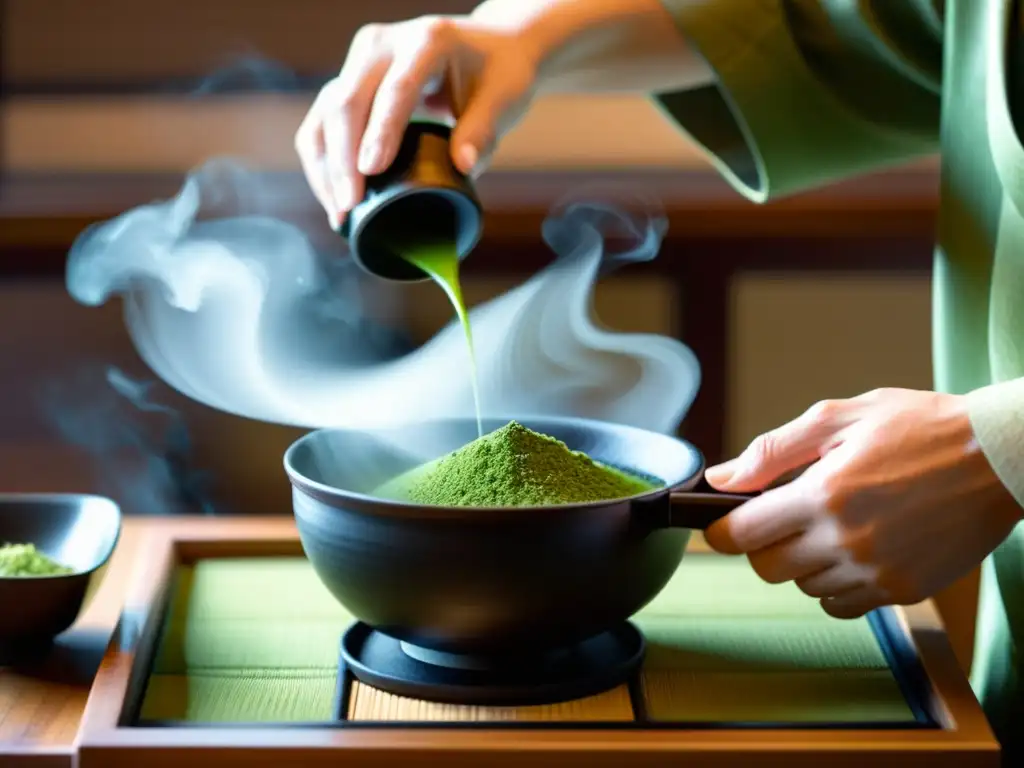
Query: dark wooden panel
point(48, 211)
point(64, 46)
point(882, 223)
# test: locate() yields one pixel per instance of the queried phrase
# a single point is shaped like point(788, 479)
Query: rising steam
point(239, 311)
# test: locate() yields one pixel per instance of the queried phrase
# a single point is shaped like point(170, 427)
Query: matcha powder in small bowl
point(513, 467)
point(25, 560)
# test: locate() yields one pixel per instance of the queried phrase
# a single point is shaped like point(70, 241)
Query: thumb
point(782, 450)
point(476, 131)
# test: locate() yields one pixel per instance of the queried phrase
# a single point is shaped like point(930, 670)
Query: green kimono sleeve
point(809, 92)
point(997, 415)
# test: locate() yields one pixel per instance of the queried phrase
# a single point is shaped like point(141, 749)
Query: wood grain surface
point(367, 704)
point(41, 706)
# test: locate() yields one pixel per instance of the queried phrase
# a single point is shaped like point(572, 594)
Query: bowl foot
point(595, 665)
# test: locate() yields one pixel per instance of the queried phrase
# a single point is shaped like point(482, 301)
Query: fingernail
point(468, 157)
point(721, 474)
point(342, 196)
point(368, 158)
point(334, 220)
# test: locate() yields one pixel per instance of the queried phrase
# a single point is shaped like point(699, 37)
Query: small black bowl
point(421, 198)
point(494, 582)
point(77, 530)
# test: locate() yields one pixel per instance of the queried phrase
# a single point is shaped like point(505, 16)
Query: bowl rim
point(44, 496)
point(331, 494)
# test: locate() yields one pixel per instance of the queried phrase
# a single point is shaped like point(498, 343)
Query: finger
point(475, 160)
point(782, 450)
point(343, 130)
point(417, 62)
point(854, 603)
point(309, 145)
point(477, 130)
point(768, 519)
point(833, 580)
point(483, 162)
point(311, 148)
point(345, 111)
point(796, 558)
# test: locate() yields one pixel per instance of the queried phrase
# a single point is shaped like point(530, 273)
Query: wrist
point(544, 29)
point(997, 418)
point(597, 45)
point(994, 496)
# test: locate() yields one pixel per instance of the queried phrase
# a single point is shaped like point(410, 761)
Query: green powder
point(512, 467)
point(26, 560)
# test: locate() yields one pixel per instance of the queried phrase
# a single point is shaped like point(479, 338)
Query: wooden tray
point(958, 735)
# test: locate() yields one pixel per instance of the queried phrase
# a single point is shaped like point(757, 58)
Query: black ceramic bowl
point(79, 531)
point(493, 581)
point(422, 197)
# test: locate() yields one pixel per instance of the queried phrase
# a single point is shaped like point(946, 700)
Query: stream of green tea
point(440, 260)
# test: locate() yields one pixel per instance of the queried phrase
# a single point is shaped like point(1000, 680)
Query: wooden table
point(41, 710)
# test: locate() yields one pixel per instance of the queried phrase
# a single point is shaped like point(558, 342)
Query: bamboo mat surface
point(256, 640)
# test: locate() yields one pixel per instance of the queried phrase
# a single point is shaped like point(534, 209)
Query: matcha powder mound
point(514, 467)
point(26, 560)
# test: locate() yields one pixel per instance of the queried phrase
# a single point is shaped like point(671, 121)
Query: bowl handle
point(699, 509)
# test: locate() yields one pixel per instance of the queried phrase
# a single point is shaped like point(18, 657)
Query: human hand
point(357, 122)
point(898, 501)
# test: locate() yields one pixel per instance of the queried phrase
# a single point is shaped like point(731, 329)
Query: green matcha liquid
point(441, 262)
